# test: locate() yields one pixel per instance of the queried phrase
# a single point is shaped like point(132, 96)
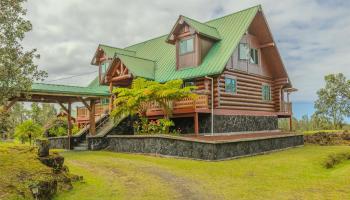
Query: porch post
point(92, 117)
point(69, 123)
point(291, 123)
point(111, 97)
point(196, 126)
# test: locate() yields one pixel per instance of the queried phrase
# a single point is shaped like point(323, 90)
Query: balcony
point(286, 109)
point(186, 105)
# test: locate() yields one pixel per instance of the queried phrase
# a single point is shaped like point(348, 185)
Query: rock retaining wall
point(192, 148)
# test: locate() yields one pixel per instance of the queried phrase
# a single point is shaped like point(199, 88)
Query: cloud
point(312, 36)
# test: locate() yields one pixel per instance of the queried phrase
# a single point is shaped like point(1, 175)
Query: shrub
point(334, 159)
point(28, 131)
point(159, 126)
point(59, 127)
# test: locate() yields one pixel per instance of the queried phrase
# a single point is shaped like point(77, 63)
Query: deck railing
point(286, 107)
point(201, 102)
point(83, 112)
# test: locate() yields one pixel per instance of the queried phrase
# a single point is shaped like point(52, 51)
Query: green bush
point(334, 159)
point(59, 127)
point(28, 131)
point(159, 126)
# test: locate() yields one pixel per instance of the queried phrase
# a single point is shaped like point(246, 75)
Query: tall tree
point(334, 99)
point(17, 69)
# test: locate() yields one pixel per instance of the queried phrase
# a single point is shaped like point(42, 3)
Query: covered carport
point(65, 96)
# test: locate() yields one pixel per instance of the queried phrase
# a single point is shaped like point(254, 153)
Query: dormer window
point(186, 46)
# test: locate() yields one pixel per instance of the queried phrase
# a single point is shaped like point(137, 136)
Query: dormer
point(192, 40)
point(103, 58)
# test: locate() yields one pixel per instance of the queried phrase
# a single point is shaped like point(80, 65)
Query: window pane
point(186, 46)
point(189, 45)
point(254, 56)
point(230, 85)
point(182, 47)
point(104, 67)
point(243, 51)
point(266, 92)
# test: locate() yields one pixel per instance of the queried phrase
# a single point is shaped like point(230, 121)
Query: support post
point(92, 117)
point(111, 97)
point(291, 123)
point(196, 126)
point(69, 123)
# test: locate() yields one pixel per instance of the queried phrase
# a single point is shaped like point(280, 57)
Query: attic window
point(243, 51)
point(186, 46)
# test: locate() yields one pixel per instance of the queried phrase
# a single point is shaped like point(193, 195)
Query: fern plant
point(143, 93)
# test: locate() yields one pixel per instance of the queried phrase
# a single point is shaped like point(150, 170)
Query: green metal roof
point(138, 66)
point(69, 90)
point(231, 29)
point(111, 51)
point(202, 28)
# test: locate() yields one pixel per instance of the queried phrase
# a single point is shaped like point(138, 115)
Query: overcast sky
point(312, 35)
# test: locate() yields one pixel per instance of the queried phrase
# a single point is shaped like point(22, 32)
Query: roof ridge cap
point(134, 57)
point(204, 23)
point(144, 41)
point(116, 47)
point(259, 6)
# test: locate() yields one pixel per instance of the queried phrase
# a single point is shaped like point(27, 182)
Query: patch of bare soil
point(185, 188)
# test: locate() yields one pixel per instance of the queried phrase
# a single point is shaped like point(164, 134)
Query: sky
point(312, 36)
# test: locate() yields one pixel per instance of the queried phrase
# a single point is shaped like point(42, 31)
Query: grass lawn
point(20, 168)
point(292, 174)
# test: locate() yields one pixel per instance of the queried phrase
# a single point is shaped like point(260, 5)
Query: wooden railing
point(186, 104)
point(83, 112)
point(286, 107)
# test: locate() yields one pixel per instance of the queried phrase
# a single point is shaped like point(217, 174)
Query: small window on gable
point(254, 58)
point(266, 92)
point(104, 67)
point(243, 51)
point(186, 46)
point(230, 85)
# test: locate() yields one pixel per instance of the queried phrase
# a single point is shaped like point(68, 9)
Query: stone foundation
point(228, 123)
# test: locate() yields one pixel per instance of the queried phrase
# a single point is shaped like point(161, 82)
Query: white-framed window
point(230, 85)
point(266, 92)
point(243, 51)
point(254, 57)
point(186, 46)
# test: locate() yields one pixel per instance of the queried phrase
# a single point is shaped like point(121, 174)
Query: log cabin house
point(243, 85)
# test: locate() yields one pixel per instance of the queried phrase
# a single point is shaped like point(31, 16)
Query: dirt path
point(127, 179)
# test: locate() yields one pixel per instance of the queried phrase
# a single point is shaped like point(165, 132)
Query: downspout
point(212, 104)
